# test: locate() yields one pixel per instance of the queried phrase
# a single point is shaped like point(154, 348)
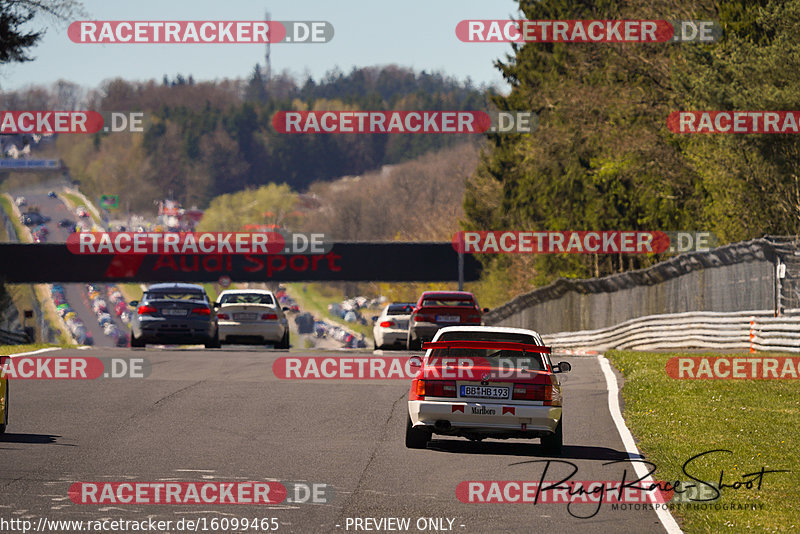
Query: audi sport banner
point(356, 262)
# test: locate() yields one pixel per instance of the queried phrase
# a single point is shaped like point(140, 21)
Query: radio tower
point(267, 64)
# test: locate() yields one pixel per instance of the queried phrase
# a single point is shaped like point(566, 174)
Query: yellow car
point(3, 396)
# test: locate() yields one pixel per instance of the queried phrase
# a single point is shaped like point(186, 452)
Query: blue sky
point(413, 33)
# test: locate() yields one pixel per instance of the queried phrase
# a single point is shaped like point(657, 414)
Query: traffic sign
point(109, 202)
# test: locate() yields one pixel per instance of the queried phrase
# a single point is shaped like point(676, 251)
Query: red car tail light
point(420, 388)
point(269, 317)
point(437, 388)
point(201, 311)
point(387, 324)
point(146, 310)
point(422, 318)
point(223, 316)
point(534, 392)
point(473, 319)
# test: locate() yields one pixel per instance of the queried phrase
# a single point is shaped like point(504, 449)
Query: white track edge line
point(669, 523)
point(47, 349)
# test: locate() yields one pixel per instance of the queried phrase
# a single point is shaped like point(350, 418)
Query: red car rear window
point(429, 302)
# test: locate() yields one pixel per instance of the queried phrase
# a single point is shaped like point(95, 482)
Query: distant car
point(33, 218)
point(436, 309)
point(20, 201)
point(486, 382)
point(3, 397)
point(52, 194)
point(251, 316)
point(67, 223)
point(391, 326)
point(81, 211)
point(174, 313)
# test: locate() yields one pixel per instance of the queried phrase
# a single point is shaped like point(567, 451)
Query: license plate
point(485, 392)
point(244, 316)
point(448, 318)
point(174, 312)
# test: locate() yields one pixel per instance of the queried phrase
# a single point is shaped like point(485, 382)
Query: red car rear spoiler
point(500, 345)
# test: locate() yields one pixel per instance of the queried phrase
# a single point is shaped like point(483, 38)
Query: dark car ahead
point(33, 218)
point(173, 313)
point(437, 309)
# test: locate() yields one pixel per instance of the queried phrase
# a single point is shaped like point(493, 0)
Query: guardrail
point(756, 330)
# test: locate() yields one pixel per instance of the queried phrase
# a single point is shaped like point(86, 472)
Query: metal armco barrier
point(747, 330)
point(347, 262)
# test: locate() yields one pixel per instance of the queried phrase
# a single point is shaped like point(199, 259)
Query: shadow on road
point(572, 452)
point(29, 438)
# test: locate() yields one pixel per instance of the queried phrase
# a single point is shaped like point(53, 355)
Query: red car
point(437, 309)
point(486, 382)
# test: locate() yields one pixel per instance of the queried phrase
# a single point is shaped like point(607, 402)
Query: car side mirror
point(215, 305)
point(562, 367)
point(285, 308)
point(374, 318)
point(415, 361)
point(133, 303)
point(486, 310)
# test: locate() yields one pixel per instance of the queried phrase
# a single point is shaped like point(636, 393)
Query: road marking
point(48, 349)
point(670, 525)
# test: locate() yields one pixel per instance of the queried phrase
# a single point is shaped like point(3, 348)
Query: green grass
point(758, 420)
point(315, 300)
point(18, 228)
point(211, 289)
point(130, 291)
point(5, 350)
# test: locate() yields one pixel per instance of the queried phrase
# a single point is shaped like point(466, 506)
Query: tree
point(14, 41)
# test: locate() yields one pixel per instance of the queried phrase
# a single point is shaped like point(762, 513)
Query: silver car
point(251, 316)
point(391, 326)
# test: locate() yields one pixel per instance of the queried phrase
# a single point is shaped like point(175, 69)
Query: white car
point(251, 316)
point(391, 326)
point(486, 382)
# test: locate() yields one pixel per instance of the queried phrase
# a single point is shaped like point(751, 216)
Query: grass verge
point(18, 228)
point(757, 420)
point(315, 299)
point(5, 350)
point(75, 201)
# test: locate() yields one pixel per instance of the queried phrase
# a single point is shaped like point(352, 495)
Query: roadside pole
point(461, 270)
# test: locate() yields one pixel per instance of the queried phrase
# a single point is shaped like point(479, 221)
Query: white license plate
point(448, 318)
point(173, 312)
point(485, 392)
point(244, 316)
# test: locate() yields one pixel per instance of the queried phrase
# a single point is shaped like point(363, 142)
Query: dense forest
point(205, 139)
point(603, 157)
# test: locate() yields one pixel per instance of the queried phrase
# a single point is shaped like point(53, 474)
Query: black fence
point(736, 277)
